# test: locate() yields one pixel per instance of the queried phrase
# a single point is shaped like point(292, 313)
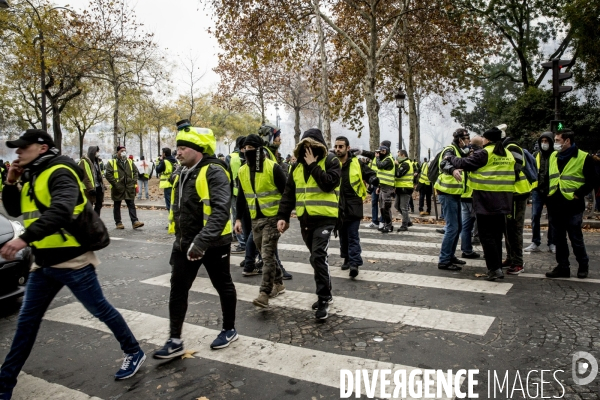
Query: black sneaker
point(471, 255)
point(252, 272)
point(449, 266)
point(345, 267)
point(455, 260)
point(493, 275)
point(353, 271)
point(559, 272)
point(243, 263)
point(238, 250)
point(582, 272)
point(315, 305)
point(410, 224)
point(322, 310)
point(169, 350)
point(403, 229)
point(441, 231)
point(286, 275)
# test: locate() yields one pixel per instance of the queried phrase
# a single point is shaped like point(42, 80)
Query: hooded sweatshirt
point(543, 181)
point(327, 180)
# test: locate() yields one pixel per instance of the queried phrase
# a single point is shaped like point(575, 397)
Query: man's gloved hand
point(194, 253)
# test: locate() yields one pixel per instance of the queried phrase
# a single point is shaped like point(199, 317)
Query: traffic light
point(557, 126)
point(557, 78)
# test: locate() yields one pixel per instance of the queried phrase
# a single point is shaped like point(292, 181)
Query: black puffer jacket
point(65, 196)
point(351, 206)
point(188, 210)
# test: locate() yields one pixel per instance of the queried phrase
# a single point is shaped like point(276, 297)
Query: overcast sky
point(181, 31)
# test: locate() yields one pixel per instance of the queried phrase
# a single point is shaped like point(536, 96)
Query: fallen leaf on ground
point(159, 386)
point(480, 275)
point(372, 261)
point(202, 398)
point(189, 354)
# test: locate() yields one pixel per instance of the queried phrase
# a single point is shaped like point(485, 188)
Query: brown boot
point(137, 224)
point(262, 300)
point(278, 289)
point(120, 225)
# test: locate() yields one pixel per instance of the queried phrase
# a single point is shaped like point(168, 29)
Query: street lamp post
point(277, 118)
point(400, 96)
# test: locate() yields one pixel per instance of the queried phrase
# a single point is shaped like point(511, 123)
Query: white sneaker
point(552, 248)
point(372, 226)
point(533, 248)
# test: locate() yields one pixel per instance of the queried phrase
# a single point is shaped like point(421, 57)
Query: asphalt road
point(400, 313)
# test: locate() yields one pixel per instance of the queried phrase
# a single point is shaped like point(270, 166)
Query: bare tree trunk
point(413, 118)
point(296, 124)
point(56, 128)
point(81, 136)
point(116, 140)
point(262, 108)
point(158, 144)
point(372, 109)
point(141, 146)
point(324, 77)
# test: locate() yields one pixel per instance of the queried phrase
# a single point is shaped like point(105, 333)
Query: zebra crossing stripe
point(586, 280)
point(262, 355)
point(399, 256)
point(406, 243)
point(383, 312)
point(425, 228)
point(30, 387)
point(409, 233)
point(399, 278)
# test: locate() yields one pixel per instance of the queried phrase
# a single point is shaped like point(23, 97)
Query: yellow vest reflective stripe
point(235, 162)
point(204, 194)
point(446, 182)
point(373, 165)
point(88, 171)
point(534, 185)
point(267, 196)
point(356, 179)
point(164, 177)
point(522, 185)
point(498, 175)
point(113, 162)
point(406, 181)
point(387, 177)
point(31, 213)
point(311, 198)
point(423, 177)
point(571, 177)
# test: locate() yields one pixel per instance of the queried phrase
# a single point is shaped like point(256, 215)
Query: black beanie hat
point(493, 135)
point(253, 140)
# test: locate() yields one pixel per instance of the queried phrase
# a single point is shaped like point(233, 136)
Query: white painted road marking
point(399, 278)
point(257, 354)
point(30, 387)
point(392, 313)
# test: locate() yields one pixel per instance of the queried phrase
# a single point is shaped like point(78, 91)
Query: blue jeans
point(42, 287)
point(142, 184)
point(537, 206)
point(239, 237)
point(168, 198)
point(375, 207)
point(468, 221)
point(350, 243)
point(452, 211)
point(570, 225)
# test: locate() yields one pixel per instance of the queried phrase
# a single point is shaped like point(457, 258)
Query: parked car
point(13, 274)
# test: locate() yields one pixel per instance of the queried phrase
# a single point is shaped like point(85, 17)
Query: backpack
point(530, 170)
point(433, 170)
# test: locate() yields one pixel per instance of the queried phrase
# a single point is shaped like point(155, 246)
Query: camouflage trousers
point(266, 237)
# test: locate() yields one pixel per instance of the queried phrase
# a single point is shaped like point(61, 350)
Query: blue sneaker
point(169, 350)
point(131, 364)
point(224, 339)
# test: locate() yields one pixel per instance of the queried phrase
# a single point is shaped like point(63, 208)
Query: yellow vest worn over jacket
point(164, 177)
point(387, 177)
point(423, 179)
point(498, 175)
point(235, 162)
point(356, 179)
point(406, 181)
point(446, 182)
point(310, 197)
point(571, 177)
point(267, 196)
point(522, 185)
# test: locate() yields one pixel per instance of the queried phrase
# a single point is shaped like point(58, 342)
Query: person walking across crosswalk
point(261, 184)
point(404, 177)
point(199, 217)
point(313, 190)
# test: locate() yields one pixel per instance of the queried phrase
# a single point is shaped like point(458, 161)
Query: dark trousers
point(42, 286)
point(515, 223)
point(251, 250)
point(99, 199)
point(425, 197)
point(317, 241)
point(537, 206)
point(564, 224)
point(130, 207)
point(375, 207)
point(183, 274)
point(168, 198)
point(350, 243)
point(491, 230)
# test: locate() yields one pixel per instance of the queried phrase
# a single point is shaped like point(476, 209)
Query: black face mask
point(250, 156)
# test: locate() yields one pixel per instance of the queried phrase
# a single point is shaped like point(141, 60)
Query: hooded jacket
point(160, 168)
point(66, 195)
point(351, 206)
point(543, 172)
point(122, 187)
point(327, 180)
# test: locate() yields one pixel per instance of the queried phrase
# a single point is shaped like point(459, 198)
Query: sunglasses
point(339, 146)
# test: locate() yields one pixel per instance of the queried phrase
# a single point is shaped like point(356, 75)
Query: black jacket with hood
point(351, 206)
point(188, 211)
point(160, 168)
point(543, 172)
point(65, 196)
point(327, 180)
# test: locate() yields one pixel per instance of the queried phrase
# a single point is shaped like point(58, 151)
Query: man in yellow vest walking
point(165, 168)
point(313, 190)
point(425, 190)
point(404, 187)
point(261, 184)
point(122, 174)
point(52, 200)
point(234, 161)
point(572, 177)
point(200, 220)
